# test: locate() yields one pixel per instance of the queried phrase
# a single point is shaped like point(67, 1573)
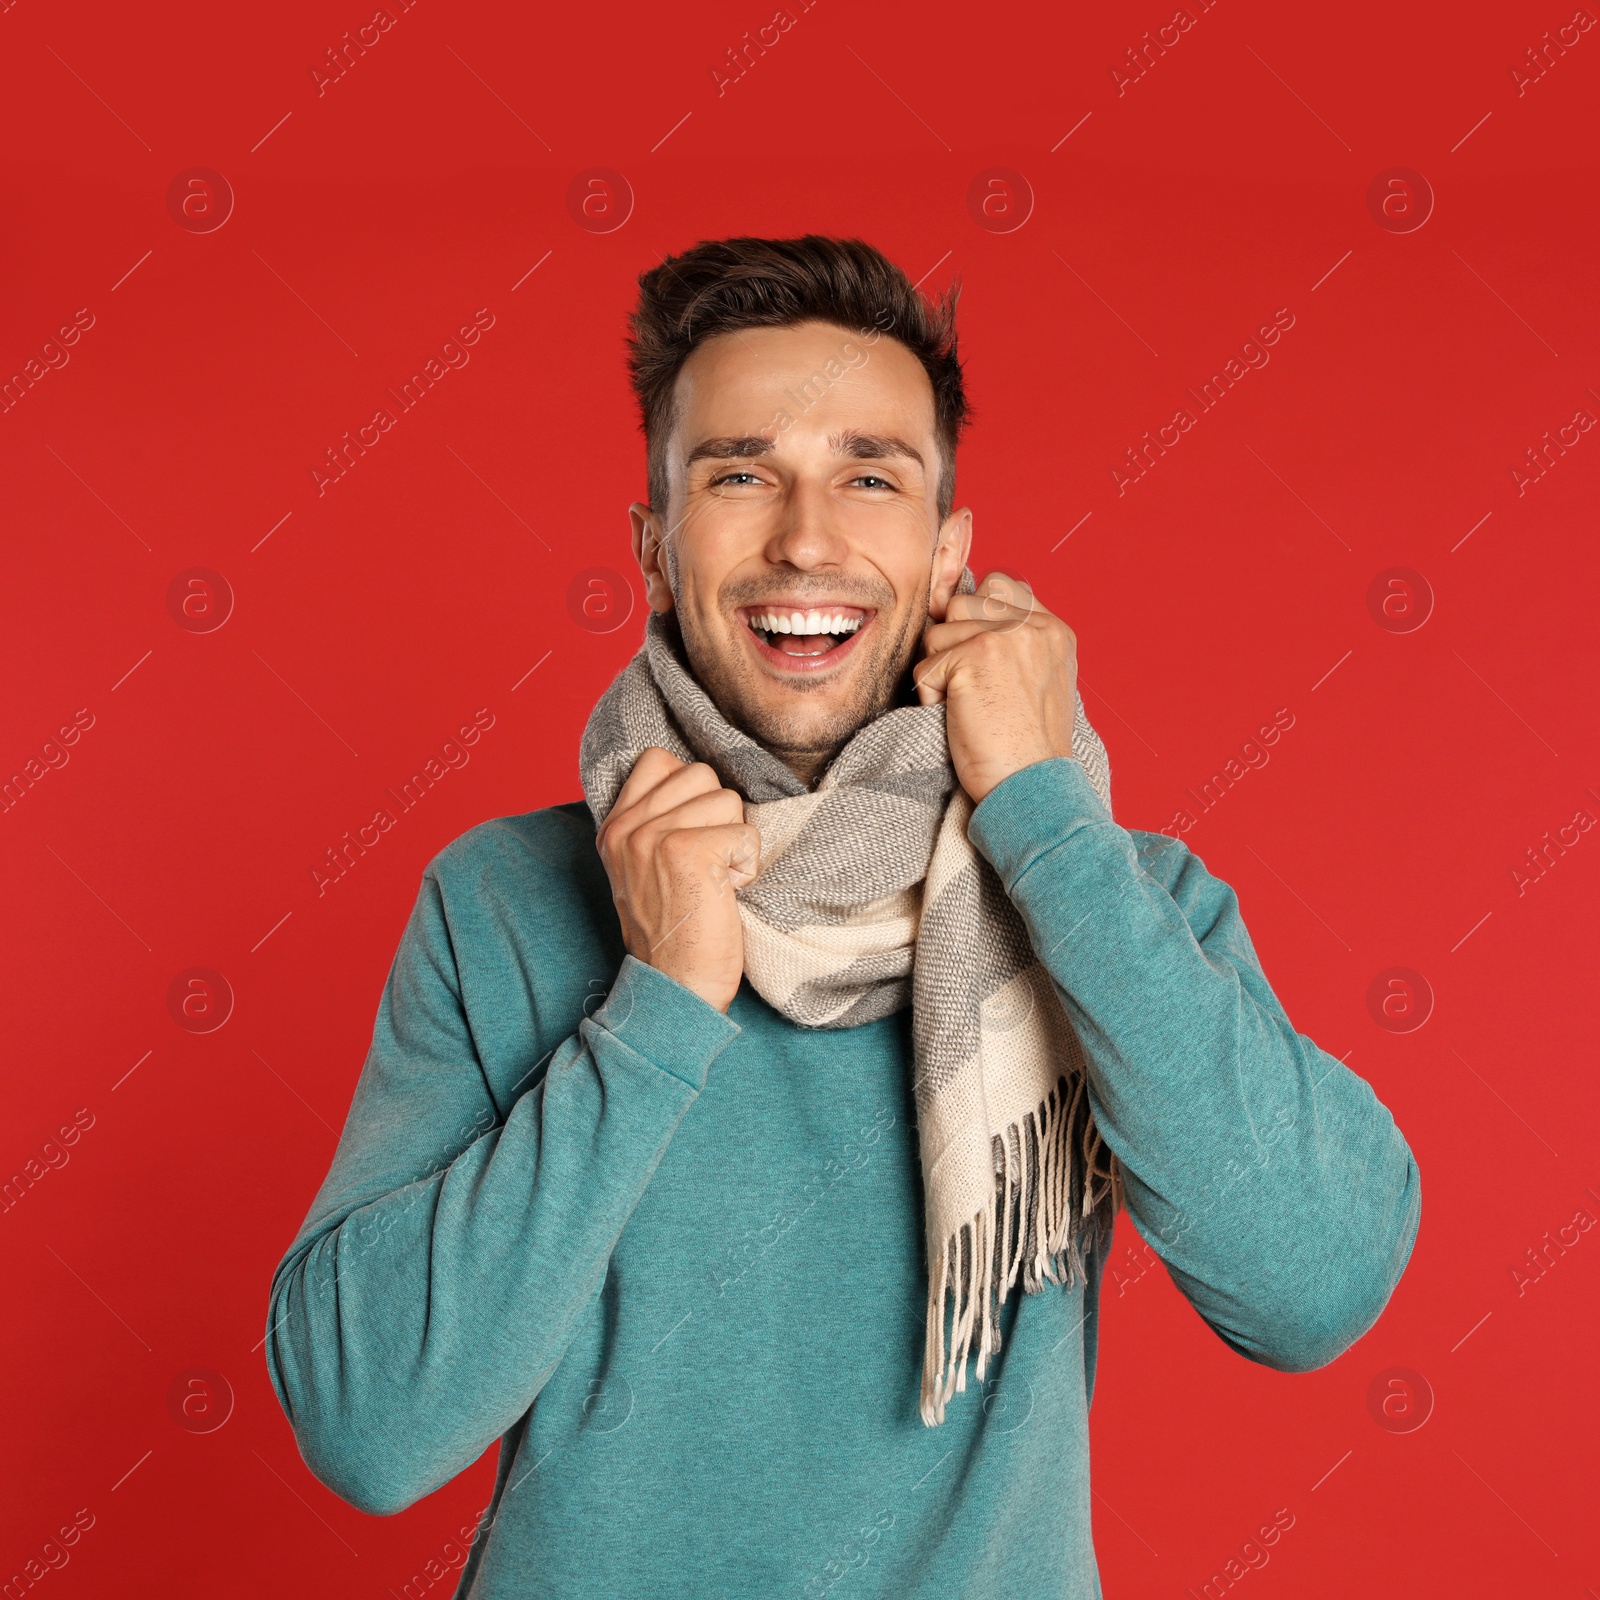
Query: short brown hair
point(724, 284)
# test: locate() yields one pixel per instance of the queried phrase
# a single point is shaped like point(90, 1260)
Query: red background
point(1169, 222)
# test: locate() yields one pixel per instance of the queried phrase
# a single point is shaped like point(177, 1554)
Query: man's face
point(801, 547)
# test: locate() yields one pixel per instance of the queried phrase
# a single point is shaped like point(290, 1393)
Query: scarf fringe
point(1048, 1209)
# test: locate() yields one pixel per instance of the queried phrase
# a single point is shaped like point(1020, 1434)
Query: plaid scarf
point(870, 896)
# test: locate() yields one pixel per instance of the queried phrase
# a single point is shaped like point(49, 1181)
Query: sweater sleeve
point(1269, 1178)
point(452, 1250)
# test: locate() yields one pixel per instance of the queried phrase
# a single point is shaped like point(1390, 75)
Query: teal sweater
point(673, 1260)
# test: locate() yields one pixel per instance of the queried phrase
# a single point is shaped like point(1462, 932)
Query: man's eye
point(729, 477)
point(873, 481)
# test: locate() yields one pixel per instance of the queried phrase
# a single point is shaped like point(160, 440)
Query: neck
point(807, 765)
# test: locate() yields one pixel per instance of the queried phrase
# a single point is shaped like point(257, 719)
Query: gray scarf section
point(870, 897)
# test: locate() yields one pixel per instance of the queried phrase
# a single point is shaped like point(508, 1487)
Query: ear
point(648, 552)
point(949, 560)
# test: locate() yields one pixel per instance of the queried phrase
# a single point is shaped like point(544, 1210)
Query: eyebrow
point(729, 448)
point(855, 446)
point(873, 447)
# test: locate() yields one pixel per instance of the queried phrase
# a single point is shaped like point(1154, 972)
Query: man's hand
point(676, 847)
point(1007, 672)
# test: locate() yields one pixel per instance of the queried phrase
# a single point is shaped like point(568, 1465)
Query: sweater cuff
point(668, 1025)
point(1031, 812)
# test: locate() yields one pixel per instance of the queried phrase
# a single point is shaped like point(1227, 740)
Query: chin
point(813, 718)
point(808, 708)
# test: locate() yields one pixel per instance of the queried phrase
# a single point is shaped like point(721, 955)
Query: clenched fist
point(676, 847)
point(1007, 673)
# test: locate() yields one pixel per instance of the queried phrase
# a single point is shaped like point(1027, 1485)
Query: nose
point(806, 537)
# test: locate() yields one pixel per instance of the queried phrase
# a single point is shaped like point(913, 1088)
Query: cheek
point(892, 546)
point(897, 635)
point(896, 538)
point(705, 546)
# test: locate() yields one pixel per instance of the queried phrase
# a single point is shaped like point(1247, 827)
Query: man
point(745, 1165)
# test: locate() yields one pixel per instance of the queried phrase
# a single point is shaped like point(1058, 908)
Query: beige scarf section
point(870, 896)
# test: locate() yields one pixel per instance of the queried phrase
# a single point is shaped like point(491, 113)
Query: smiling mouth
point(804, 640)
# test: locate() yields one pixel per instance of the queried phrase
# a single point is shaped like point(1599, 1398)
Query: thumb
point(932, 678)
point(736, 847)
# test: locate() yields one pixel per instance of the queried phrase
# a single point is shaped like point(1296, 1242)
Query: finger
point(671, 786)
point(946, 635)
point(1015, 591)
point(998, 598)
point(988, 608)
point(665, 782)
point(1002, 589)
point(649, 768)
point(719, 808)
point(641, 830)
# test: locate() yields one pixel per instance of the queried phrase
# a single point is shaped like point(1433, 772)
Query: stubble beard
point(805, 738)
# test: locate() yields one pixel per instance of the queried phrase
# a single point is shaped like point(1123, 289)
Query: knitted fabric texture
point(870, 897)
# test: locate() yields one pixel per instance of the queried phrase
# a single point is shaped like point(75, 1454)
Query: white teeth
point(805, 622)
